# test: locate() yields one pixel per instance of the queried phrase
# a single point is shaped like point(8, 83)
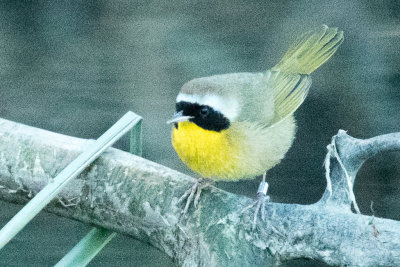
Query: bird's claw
point(193, 194)
point(189, 194)
point(260, 204)
point(262, 199)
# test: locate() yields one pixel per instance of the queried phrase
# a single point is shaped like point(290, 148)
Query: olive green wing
point(310, 50)
point(290, 90)
point(290, 79)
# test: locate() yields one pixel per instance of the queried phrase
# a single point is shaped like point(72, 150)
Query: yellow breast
point(209, 153)
point(242, 151)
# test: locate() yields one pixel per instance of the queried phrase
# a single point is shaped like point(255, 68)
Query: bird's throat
point(209, 153)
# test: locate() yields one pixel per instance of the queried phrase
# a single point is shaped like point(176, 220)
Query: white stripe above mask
point(229, 107)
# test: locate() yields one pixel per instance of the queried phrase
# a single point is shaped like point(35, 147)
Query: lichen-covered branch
point(345, 157)
point(134, 196)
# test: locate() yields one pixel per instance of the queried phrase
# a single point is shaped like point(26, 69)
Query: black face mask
point(203, 116)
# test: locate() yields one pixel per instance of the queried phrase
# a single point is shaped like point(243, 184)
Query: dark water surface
point(76, 67)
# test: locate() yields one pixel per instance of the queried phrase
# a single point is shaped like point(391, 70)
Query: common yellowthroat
point(239, 125)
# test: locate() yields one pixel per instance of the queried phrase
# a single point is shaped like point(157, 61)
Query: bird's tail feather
point(310, 50)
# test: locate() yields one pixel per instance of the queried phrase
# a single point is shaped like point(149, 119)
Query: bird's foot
point(193, 194)
point(262, 199)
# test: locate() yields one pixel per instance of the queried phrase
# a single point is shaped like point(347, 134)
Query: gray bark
point(136, 197)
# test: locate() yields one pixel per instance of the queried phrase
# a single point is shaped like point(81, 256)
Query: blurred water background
point(75, 67)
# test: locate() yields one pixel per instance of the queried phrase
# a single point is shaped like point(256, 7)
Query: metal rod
point(87, 248)
point(91, 244)
point(136, 140)
point(30, 210)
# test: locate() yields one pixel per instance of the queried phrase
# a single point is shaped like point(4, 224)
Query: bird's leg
point(193, 194)
point(262, 198)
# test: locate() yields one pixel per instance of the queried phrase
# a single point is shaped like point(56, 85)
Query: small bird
point(237, 126)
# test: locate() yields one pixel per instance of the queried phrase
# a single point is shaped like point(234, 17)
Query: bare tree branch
point(345, 157)
point(134, 196)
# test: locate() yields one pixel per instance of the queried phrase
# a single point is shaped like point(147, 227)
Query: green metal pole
point(97, 238)
point(30, 210)
point(87, 248)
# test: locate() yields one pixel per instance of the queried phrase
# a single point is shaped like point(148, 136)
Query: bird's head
point(202, 103)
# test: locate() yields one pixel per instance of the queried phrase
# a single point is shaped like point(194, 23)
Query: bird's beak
point(178, 117)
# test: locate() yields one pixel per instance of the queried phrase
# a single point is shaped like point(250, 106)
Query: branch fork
point(344, 158)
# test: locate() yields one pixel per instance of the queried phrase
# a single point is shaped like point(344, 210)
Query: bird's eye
point(204, 111)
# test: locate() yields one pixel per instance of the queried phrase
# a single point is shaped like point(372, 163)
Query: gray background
point(77, 67)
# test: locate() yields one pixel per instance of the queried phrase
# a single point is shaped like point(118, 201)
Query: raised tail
point(310, 51)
